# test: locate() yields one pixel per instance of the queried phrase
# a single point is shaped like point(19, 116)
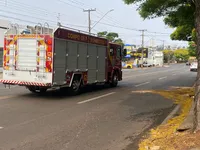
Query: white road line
point(95, 98)
point(1, 127)
point(147, 74)
point(174, 74)
point(7, 97)
point(142, 84)
point(126, 77)
point(162, 78)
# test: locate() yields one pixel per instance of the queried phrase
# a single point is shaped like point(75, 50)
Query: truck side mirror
point(124, 52)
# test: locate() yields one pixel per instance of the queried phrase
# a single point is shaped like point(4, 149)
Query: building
point(4, 24)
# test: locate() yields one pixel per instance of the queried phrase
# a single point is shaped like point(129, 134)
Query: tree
point(192, 49)
point(111, 36)
point(181, 55)
point(168, 55)
point(179, 14)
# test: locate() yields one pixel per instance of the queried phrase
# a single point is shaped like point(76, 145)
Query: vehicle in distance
point(127, 65)
point(188, 63)
point(194, 66)
point(62, 58)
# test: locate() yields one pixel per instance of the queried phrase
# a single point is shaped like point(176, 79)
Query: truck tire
point(114, 81)
point(75, 87)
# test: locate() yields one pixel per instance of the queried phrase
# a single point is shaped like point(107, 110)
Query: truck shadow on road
point(62, 95)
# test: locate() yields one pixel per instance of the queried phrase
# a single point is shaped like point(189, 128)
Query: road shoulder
point(166, 135)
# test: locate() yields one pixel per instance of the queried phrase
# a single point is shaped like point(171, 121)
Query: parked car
point(194, 66)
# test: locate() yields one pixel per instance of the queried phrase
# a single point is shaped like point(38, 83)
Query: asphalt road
point(98, 119)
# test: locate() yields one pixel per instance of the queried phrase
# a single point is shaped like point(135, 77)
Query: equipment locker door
point(59, 62)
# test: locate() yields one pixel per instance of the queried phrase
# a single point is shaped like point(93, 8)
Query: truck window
point(118, 52)
point(111, 52)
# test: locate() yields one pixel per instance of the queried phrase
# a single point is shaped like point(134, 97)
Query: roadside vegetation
point(184, 17)
point(111, 36)
point(167, 137)
point(179, 55)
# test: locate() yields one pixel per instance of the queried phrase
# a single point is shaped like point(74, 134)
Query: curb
point(172, 114)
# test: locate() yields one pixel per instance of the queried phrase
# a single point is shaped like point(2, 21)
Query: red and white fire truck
point(62, 58)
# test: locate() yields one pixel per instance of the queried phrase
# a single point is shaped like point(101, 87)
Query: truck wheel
point(75, 87)
point(114, 82)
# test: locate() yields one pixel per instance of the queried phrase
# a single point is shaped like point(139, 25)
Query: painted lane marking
point(1, 127)
point(124, 78)
point(174, 74)
point(146, 74)
point(162, 78)
point(95, 98)
point(6, 97)
point(142, 84)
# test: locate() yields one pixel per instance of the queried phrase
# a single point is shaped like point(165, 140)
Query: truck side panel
point(82, 59)
point(60, 47)
point(72, 53)
point(101, 64)
point(85, 54)
point(92, 63)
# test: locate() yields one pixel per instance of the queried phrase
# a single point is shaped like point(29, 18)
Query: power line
point(45, 12)
point(23, 6)
point(76, 2)
point(132, 29)
point(41, 19)
point(18, 19)
point(98, 11)
point(70, 4)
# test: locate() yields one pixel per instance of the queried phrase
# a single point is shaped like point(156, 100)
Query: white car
point(194, 66)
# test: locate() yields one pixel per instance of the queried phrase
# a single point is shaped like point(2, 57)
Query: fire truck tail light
point(49, 48)
point(49, 41)
point(48, 66)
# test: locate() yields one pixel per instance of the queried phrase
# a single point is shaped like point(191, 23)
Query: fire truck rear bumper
point(12, 82)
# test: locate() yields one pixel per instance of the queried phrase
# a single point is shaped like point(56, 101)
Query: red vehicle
point(61, 58)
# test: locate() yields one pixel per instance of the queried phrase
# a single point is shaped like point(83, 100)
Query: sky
point(124, 19)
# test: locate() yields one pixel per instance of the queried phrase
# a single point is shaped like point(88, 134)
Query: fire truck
point(63, 58)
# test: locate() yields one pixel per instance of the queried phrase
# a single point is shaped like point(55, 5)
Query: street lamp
point(102, 18)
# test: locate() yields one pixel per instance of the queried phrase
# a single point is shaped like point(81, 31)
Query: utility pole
point(142, 45)
point(89, 17)
point(163, 44)
point(58, 19)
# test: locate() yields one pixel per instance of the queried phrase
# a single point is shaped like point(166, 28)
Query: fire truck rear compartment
point(73, 56)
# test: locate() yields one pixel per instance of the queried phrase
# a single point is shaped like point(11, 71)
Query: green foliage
point(178, 55)
point(181, 54)
point(192, 49)
point(178, 14)
point(111, 36)
point(168, 55)
point(182, 33)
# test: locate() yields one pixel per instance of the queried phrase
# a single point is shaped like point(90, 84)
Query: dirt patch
point(166, 137)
